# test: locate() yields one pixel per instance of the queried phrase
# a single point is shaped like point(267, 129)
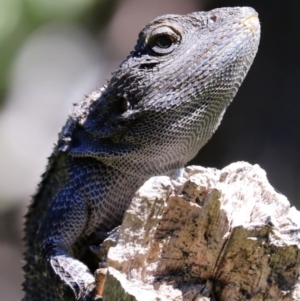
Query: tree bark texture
point(207, 234)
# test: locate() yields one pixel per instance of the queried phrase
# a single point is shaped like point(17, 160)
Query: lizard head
point(168, 97)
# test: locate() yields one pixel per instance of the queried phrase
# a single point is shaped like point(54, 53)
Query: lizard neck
point(107, 192)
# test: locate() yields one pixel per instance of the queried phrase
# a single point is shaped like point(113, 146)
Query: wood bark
point(206, 234)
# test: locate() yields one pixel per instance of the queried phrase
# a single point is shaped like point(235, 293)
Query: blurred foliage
point(18, 18)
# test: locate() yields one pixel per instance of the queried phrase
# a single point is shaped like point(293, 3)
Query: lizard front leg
point(60, 228)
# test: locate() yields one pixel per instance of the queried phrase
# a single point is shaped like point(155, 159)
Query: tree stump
point(207, 234)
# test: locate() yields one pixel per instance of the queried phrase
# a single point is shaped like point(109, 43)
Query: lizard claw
point(100, 278)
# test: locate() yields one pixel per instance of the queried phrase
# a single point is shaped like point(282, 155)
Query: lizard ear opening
point(163, 40)
point(123, 104)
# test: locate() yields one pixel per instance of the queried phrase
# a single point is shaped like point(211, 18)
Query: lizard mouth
point(252, 22)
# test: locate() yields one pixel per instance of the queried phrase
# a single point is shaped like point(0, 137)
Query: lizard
point(159, 108)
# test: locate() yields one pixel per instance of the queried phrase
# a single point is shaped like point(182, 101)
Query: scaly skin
point(159, 108)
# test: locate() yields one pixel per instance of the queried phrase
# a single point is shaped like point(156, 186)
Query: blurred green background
point(20, 18)
point(54, 52)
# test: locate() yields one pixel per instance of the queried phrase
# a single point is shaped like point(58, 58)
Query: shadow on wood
point(207, 234)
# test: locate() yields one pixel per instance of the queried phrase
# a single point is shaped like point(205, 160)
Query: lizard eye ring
point(163, 40)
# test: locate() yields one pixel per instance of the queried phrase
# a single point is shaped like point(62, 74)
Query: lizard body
point(159, 108)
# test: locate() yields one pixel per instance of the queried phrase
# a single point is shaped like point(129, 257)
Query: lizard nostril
point(213, 18)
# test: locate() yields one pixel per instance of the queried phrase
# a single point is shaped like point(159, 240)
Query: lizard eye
point(163, 40)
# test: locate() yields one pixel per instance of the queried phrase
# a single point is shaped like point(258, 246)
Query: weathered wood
point(207, 234)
